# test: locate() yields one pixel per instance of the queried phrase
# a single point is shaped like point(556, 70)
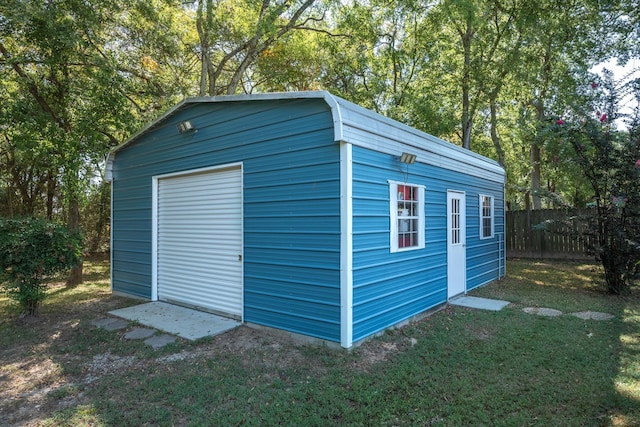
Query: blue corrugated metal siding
point(131, 237)
point(391, 287)
point(292, 238)
point(291, 208)
point(483, 257)
point(291, 204)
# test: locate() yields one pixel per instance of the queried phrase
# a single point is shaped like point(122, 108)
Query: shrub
point(609, 166)
point(609, 159)
point(31, 251)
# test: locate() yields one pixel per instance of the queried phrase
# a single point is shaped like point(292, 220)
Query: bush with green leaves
point(608, 157)
point(31, 251)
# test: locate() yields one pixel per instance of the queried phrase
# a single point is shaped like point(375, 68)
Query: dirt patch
point(176, 357)
point(479, 333)
point(105, 364)
point(371, 354)
point(28, 379)
point(57, 360)
point(25, 386)
point(39, 373)
point(39, 380)
point(376, 351)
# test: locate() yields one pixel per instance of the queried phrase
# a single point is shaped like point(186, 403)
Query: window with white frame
point(486, 217)
point(407, 216)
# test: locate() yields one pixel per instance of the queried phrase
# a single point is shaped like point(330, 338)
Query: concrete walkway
point(479, 303)
point(181, 321)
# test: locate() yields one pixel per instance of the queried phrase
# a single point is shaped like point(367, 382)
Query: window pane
point(407, 216)
point(455, 221)
point(487, 216)
point(486, 227)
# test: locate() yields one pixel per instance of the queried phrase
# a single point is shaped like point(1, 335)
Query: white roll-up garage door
point(199, 241)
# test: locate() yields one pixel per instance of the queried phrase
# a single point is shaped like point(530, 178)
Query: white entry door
point(456, 244)
point(199, 239)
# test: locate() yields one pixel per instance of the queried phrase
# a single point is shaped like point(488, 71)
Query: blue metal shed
point(298, 211)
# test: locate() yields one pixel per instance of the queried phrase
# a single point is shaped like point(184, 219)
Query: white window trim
point(493, 214)
point(393, 216)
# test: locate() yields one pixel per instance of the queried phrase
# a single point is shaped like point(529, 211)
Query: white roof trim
point(383, 134)
point(328, 98)
point(374, 131)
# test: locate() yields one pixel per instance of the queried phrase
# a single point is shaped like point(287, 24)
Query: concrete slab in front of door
point(480, 303)
point(174, 319)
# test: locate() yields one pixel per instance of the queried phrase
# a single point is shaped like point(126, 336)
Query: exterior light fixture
point(408, 158)
point(186, 126)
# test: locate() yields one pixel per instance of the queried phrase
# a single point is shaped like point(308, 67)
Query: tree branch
point(34, 91)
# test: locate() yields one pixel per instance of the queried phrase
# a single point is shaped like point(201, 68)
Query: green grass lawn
point(457, 367)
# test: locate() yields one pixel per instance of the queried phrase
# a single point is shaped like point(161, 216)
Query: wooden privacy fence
point(557, 241)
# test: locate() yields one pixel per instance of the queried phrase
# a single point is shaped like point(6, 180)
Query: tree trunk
point(534, 153)
point(103, 218)
point(495, 138)
point(51, 193)
point(536, 176)
point(274, 21)
point(467, 120)
point(203, 23)
point(75, 278)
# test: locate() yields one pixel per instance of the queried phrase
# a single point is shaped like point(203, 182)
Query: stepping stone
point(139, 333)
point(541, 311)
point(100, 323)
point(110, 324)
point(158, 341)
point(593, 315)
point(480, 303)
point(118, 324)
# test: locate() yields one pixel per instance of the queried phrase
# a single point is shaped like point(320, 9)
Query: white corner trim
point(111, 240)
point(154, 239)
point(346, 245)
point(108, 169)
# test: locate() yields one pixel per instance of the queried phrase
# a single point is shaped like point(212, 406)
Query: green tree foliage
point(233, 34)
point(31, 251)
point(76, 79)
point(389, 59)
point(609, 160)
point(479, 73)
point(565, 42)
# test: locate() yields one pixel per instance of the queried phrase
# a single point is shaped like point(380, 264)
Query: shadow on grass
point(573, 287)
point(48, 363)
point(457, 367)
point(548, 284)
point(627, 380)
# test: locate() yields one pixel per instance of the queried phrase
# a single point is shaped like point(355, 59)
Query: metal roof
point(358, 126)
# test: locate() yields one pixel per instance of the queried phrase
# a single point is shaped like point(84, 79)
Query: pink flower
point(619, 201)
point(556, 159)
point(638, 164)
point(603, 118)
point(594, 85)
point(559, 122)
